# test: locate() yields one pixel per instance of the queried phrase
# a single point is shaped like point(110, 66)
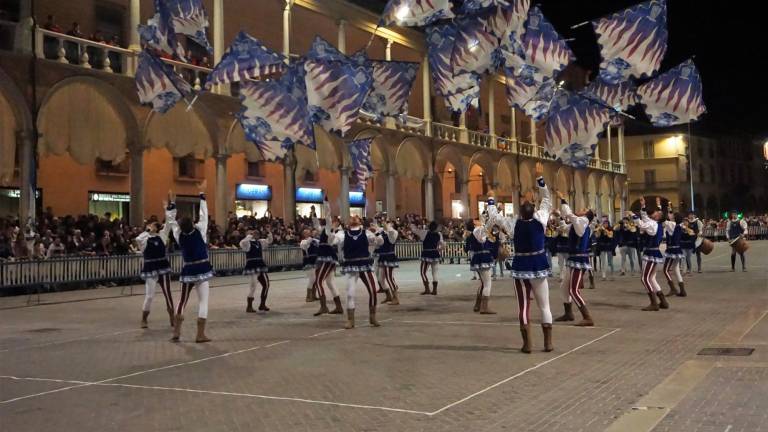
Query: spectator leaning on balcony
point(196, 268)
point(50, 24)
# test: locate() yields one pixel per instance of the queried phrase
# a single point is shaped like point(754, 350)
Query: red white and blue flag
point(159, 32)
point(189, 18)
point(158, 84)
point(542, 53)
point(633, 42)
point(533, 97)
point(573, 128)
point(392, 85)
point(674, 97)
point(459, 90)
point(360, 155)
point(246, 58)
point(415, 13)
point(619, 97)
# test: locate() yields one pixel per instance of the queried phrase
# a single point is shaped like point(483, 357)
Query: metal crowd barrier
point(719, 233)
point(122, 268)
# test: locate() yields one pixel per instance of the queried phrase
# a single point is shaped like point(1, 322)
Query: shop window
point(109, 168)
point(189, 168)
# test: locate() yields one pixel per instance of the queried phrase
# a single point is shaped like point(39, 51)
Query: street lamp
point(690, 166)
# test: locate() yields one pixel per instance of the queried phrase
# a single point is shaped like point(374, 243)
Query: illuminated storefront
point(252, 199)
point(309, 200)
point(357, 203)
point(114, 203)
point(10, 199)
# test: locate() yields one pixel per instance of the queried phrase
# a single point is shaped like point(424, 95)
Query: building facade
point(98, 150)
point(728, 173)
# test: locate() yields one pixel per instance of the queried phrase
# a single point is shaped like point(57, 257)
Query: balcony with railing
point(62, 48)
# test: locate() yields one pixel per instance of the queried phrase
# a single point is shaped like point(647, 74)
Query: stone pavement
point(79, 362)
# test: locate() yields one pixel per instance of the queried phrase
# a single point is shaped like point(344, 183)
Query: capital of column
point(345, 170)
point(288, 5)
point(221, 157)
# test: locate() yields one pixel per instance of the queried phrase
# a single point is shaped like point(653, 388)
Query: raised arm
point(496, 218)
point(545, 206)
point(141, 240)
point(669, 227)
point(391, 233)
point(579, 223)
point(328, 218)
point(266, 242)
point(373, 239)
point(245, 244)
point(420, 233)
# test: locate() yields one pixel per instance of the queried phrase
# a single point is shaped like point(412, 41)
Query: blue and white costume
point(309, 249)
point(387, 262)
point(734, 230)
point(196, 267)
point(654, 233)
point(674, 254)
point(256, 267)
point(578, 262)
point(357, 245)
point(327, 259)
point(530, 267)
point(431, 245)
point(156, 268)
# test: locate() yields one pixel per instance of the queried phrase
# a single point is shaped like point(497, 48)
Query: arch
point(14, 118)
point(485, 161)
point(449, 154)
point(331, 152)
point(410, 160)
point(183, 132)
point(102, 126)
point(236, 142)
point(527, 170)
point(506, 172)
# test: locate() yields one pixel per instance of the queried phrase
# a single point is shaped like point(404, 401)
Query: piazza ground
point(79, 362)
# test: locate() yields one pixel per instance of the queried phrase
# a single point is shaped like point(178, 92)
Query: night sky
point(727, 38)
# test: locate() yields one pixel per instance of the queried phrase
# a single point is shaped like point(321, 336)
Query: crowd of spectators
point(91, 235)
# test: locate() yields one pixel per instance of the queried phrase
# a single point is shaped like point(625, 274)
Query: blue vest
point(387, 250)
point(562, 244)
point(193, 247)
point(651, 248)
point(481, 256)
point(578, 247)
point(356, 248)
point(530, 261)
point(155, 249)
point(735, 229)
point(310, 256)
point(255, 253)
point(673, 241)
point(429, 245)
point(324, 249)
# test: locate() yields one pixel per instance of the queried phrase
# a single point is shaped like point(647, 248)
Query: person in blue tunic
point(562, 247)
point(649, 223)
point(578, 263)
point(387, 262)
point(481, 261)
point(357, 243)
point(256, 268)
point(530, 267)
point(695, 224)
point(196, 268)
point(432, 245)
point(156, 269)
point(325, 264)
point(734, 231)
point(673, 256)
point(607, 247)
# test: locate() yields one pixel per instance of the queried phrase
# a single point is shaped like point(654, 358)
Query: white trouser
point(540, 288)
point(672, 267)
point(485, 280)
point(203, 291)
point(150, 286)
point(606, 261)
point(381, 277)
point(370, 286)
point(561, 257)
point(310, 272)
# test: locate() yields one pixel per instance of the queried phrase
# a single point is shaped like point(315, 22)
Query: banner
point(360, 155)
point(542, 52)
point(674, 97)
point(158, 84)
point(246, 58)
point(190, 19)
point(414, 13)
point(573, 127)
point(159, 33)
point(460, 90)
point(619, 97)
point(392, 85)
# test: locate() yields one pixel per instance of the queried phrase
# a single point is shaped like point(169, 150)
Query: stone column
point(533, 132)
point(492, 106)
point(222, 204)
point(22, 42)
point(342, 45)
point(621, 148)
point(391, 194)
point(426, 85)
point(464, 196)
point(344, 198)
point(27, 173)
point(429, 197)
point(388, 50)
point(608, 154)
point(289, 188)
point(137, 187)
point(463, 135)
point(599, 203)
point(218, 30)
point(134, 42)
point(287, 30)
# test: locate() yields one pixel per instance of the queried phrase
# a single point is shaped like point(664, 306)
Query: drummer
point(695, 224)
point(735, 232)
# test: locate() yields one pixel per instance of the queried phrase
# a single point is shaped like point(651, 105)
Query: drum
point(707, 246)
point(698, 241)
point(740, 245)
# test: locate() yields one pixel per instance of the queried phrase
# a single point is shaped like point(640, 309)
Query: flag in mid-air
point(619, 97)
point(542, 52)
point(392, 85)
point(160, 34)
point(573, 127)
point(360, 155)
point(632, 42)
point(158, 84)
point(415, 13)
point(527, 94)
point(189, 18)
point(246, 58)
point(674, 97)
point(460, 90)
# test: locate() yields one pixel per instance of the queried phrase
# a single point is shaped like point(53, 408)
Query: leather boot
point(309, 296)
point(478, 301)
point(525, 332)
point(313, 295)
point(568, 315)
point(426, 289)
point(201, 337)
point(547, 328)
point(591, 281)
point(663, 304)
point(372, 317)
point(586, 318)
point(434, 288)
point(682, 292)
point(263, 306)
point(381, 289)
point(177, 320)
point(338, 310)
point(144, 315)
point(250, 308)
point(350, 319)
point(672, 289)
point(484, 306)
point(388, 297)
point(170, 316)
point(654, 306)
point(323, 307)
point(395, 299)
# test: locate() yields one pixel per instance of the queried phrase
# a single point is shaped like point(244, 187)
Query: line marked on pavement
point(512, 324)
point(23, 347)
point(519, 374)
point(740, 327)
